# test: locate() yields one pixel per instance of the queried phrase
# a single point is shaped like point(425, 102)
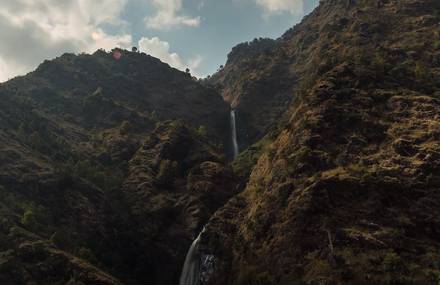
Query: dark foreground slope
point(348, 191)
point(108, 168)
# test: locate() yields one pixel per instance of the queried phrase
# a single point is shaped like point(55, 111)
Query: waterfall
point(191, 268)
point(234, 134)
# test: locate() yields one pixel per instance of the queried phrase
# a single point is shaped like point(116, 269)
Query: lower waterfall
point(199, 267)
point(191, 268)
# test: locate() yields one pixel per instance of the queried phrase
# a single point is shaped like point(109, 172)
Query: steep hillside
point(346, 192)
point(109, 167)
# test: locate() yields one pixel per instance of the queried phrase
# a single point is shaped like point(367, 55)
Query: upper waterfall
point(234, 134)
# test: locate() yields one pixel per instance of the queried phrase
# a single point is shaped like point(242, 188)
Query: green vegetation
point(125, 128)
point(168, 170)
point(87, 254)
point(106, 179)
point(34, 217)
point(202, 131)
point(250, 275)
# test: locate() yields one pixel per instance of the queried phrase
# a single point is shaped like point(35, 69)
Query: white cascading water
point(234, 134)
point(191, 268)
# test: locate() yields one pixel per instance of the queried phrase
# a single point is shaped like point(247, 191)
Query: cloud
point(161, 49)
point(294, 7)
point(201, 4)
point(194, 63)
point(6, 72)
point(168, 16)
point(34, 30)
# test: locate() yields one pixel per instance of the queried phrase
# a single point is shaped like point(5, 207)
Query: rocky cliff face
point(251, 76)
point(347, 191)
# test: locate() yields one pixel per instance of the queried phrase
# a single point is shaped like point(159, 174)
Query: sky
point(197, 34)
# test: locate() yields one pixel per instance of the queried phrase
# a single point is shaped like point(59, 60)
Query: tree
point(202, 131)
point(29, 219)
point(87, 254)
point(187, 70)
point(421, 72)
point(22, 130)
point(33, 217)
point(125, 128)
point(167, 172)
point(153, 116)
point(62, 238)
point(134, 49)
point(36, 141)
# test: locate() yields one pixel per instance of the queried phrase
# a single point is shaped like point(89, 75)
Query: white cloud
point(201, 4)
point(34, 30)
point(194, 63)
point(103, 11)
point(295, 7)
point(6, 72)
point(161, 49)
point(168, 16)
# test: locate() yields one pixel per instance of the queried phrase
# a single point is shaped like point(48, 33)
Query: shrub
point(202, 131)
point(87, 254)
point(36, 141)
point(33, 217)
point(250, 275)
point(167, 172)
point(62, 238)
point(125, 128)
point(421, 72)
point(29, 219)
point(154, 117)
point(92, 172)
point(379, 65)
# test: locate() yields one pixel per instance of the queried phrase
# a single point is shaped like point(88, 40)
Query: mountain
point(111, 164)
point(345, 188)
